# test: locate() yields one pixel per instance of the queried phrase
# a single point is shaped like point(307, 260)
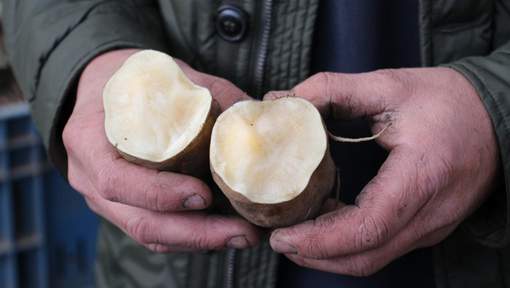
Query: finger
point(383, 208)
point(223, 91)
point(182, 231)
point(351, 95)
point(369, 262)
point(360, 265)
point(120, 181)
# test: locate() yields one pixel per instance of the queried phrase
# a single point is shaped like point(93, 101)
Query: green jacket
point(50, 41)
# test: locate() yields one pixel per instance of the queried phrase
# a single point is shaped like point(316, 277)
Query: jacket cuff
point(490, 224)
point(55, 94)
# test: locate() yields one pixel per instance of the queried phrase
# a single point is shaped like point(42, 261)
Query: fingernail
point(238, 242)
point(194, 202)
point(282, 246)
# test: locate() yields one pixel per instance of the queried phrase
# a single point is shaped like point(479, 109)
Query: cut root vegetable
point(155, 116)
point(272, 161)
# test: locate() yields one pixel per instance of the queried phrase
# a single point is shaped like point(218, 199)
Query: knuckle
point(153, 195)
point(314, 245)
point(162, 194)
point(69, 136)
point(394, 81)
point(323, 79)
point(313, 248)
point(79, 182)
point(140, 229)
point(200, 241)
point(445, 171)
point(74, 179)
point(317, 88)
point(205, 237)
point(436, 176)
point(198, 238)
point(106, 185)
point(372, 232)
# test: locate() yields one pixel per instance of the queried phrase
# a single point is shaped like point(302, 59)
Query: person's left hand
point(443, 159)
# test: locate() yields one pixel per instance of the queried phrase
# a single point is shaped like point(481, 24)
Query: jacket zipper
point(229, 271)
point(260, 64)
point(263, 46)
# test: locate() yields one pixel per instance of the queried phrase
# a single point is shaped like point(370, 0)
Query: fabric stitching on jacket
point(311, 8)
point(44, 58)
point(182, 36)
point(281, 44)
point(291, 46)
point(301, 48)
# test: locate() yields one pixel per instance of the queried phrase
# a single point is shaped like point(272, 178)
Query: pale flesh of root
point(152, 110)
point(267, 151)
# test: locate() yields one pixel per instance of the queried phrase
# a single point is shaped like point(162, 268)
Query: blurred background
point(47, 233)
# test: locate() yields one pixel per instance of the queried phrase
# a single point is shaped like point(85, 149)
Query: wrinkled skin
point(443, 158)
point(160, 210)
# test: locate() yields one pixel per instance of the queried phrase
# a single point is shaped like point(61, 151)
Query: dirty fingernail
point(194, 202)
point(238, 242)
point(282, 246)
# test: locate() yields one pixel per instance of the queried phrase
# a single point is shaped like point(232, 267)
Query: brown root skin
point(194, 159)
point(357, 140)
point(303, 207)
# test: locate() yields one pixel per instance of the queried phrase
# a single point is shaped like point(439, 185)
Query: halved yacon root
point(272, 161)
point(156, 117)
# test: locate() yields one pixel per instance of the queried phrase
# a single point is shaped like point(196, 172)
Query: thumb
point(273, 95)
point(344, 95)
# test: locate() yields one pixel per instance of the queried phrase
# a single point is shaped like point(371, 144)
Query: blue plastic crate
point(47, 234)
point(72, 231)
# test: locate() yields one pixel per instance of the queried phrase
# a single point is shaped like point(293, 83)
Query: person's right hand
point(157, 209)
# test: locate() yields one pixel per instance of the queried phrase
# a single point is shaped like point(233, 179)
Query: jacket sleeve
point(490, 75)
point(49, 43)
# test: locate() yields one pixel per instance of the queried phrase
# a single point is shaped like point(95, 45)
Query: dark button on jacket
point(231, 23)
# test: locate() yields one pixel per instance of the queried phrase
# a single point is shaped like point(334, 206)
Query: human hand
point(155, 208)
point(443, 158)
